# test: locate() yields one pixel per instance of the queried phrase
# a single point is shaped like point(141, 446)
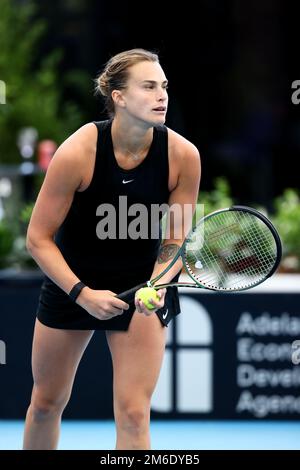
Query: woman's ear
point(117, 98)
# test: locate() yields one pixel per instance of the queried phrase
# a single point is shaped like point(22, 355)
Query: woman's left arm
point(182, 203)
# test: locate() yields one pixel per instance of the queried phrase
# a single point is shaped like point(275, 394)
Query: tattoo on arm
point(167, 252)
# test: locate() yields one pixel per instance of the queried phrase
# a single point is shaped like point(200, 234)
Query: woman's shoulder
point(180, 146)
point(81, 142)
point(74, 158)
point(81, 136)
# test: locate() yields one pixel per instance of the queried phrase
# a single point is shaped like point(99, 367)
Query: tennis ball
point(145, 294)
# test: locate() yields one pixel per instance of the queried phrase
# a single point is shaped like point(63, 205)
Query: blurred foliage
point(26, 214)
point(209, 201)
point(6, 243)
point(218, 198)
point(33, 86)
point(13, 252)
point(287, 221)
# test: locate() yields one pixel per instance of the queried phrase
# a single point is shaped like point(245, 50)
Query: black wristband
point(75, 291)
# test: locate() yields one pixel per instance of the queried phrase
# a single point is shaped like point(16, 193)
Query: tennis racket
point(231, 249)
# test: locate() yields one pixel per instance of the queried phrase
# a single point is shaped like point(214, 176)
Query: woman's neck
point(133, 140)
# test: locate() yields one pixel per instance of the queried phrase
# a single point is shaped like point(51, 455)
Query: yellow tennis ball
point(147, 293)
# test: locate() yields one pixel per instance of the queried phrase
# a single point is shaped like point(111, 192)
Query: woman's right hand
point(101, 304)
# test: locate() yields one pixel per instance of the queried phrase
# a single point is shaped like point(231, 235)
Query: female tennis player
point(88, 260)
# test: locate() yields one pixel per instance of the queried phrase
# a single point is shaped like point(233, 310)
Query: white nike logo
point(128, 181)
point(165, 314)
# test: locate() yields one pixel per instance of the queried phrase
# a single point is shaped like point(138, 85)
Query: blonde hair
point(115, 73)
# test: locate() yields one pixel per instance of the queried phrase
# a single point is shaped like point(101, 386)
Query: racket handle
point(128, 295)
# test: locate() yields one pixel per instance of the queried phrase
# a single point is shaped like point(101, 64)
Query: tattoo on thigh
point(167, 252)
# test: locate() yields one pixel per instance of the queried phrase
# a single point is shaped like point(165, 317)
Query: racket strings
point(246, 256)
point(236, 251)
point(246, 259)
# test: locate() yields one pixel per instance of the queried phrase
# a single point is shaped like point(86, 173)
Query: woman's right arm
point(63, 178)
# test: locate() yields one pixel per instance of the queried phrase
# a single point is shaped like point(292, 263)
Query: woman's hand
point(101, 304)
point(141, 308)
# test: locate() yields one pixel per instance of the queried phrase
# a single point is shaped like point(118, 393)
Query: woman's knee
point(132, 415)
point(44, 405)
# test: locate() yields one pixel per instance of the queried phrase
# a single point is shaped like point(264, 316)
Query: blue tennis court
point(184, 435)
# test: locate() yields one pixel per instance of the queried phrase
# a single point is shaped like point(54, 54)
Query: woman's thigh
point(55, 357)
point(137, 356)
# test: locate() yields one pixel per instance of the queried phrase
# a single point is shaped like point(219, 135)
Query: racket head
point(232, 249)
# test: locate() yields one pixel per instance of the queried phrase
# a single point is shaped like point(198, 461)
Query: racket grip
point(128, 295)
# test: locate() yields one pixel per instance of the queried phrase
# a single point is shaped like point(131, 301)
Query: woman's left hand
point(157, 304)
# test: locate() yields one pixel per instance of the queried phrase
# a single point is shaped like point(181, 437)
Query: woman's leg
point(55, 358)
point(137, 357)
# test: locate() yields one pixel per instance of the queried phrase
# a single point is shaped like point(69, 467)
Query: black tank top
point(88, 255)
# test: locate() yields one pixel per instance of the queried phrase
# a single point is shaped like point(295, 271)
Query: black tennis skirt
point(57, 310)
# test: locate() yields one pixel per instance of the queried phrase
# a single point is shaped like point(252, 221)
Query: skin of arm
point(185, 192)
point(64, 176)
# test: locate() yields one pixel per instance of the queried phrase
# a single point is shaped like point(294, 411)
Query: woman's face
point(145, 97)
